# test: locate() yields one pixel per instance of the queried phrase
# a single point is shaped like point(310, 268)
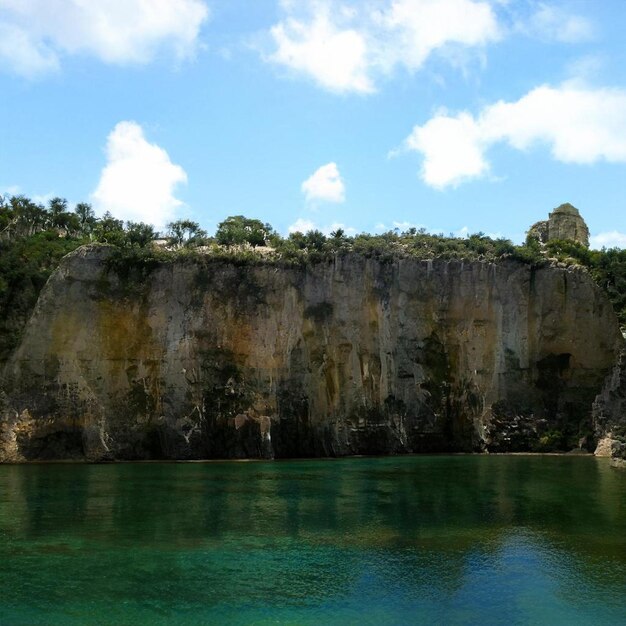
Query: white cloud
point(417, 28)
point(37, 198)
point(35, 34)
point(301, 226)
point(579, 124)
point(22, 53)
point(586, 67)
point(325, 184)
point(611, 239)
point(43, 198)
point(11, 190)
point(405, 225)
point(139, 179)
point(335, 58)
point(345, 49)
point(452, 148)
point(554, 23)
point(348, 230)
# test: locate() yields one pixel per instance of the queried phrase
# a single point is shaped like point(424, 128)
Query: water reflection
point(439, 538)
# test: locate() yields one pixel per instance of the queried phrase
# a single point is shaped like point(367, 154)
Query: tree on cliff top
point(86, 217)
point(20, 217)
point(237, 230)
point(184, 233)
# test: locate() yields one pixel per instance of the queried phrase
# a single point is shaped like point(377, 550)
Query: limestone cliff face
point(565, 222)
point(209, 359)
point(609, 414)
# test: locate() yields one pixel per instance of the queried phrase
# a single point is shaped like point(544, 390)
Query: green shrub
point(25, 265)
point(237, 230)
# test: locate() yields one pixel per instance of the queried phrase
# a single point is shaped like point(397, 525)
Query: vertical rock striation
point(210, 359)
point(609, 414)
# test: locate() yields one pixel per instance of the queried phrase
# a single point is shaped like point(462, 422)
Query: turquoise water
point(427, 539)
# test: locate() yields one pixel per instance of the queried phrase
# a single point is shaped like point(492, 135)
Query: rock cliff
point(609, 415)
point(209, 359)
point(563, 223)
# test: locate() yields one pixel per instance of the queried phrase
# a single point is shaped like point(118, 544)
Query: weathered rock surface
point(609, 414)
point(565, 222)
point(209, 359)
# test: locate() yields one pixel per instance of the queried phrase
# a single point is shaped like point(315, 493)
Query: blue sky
point(456, 115)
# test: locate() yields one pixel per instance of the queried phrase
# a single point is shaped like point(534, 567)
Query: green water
point(447, 540)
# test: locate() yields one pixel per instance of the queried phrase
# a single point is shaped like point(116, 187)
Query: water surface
point(426, 539)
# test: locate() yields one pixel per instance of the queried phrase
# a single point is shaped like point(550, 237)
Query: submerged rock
point(203, 358)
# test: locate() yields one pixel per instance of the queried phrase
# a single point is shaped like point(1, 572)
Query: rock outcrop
point(564, 223)
point(609, 414)
point(209, 359)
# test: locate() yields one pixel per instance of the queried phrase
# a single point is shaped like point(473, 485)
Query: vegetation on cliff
point(33, 239)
